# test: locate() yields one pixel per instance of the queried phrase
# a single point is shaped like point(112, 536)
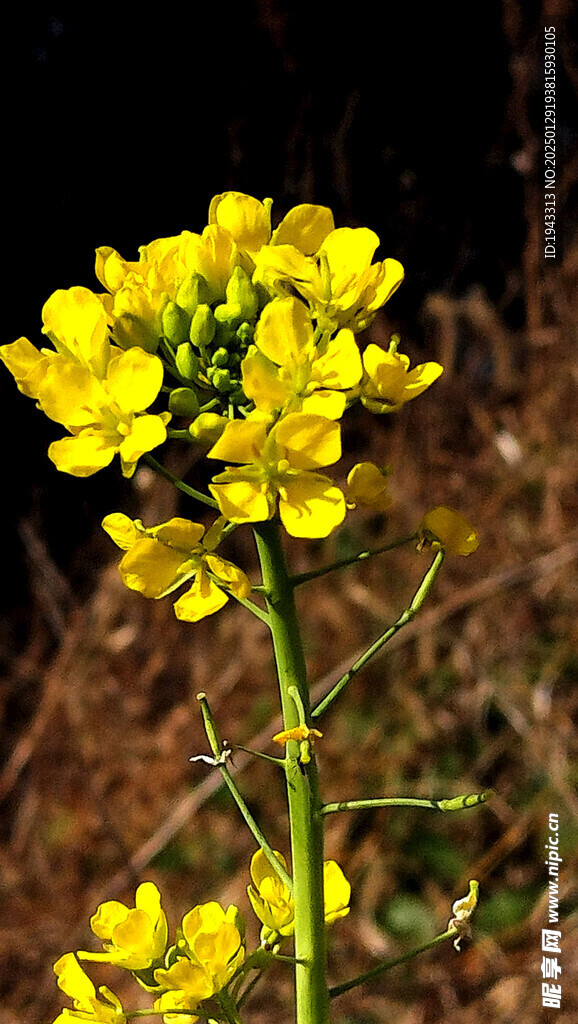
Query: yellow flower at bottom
point(133, 939)
point(270, 897)
point(273, 903)
point(87, 1006)
point(160, 559)
point(210, 952)
point(445, 528)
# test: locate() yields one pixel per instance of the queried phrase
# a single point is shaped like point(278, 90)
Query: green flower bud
point(187, 361)
point(221, 380)
point(245, 333)
point(202, 326)
point(207, 428)
point(220, 357)
point(241, 293)
point(192, 291)
point(176, 323)
point(238, 397)
point(229, 315)
point(183, 402)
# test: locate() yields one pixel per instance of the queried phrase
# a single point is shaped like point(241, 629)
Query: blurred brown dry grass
point(478, 692)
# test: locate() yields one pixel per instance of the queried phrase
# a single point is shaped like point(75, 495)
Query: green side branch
point(217, 751)
point(343, 563)
point(189, 491)
point(387, 965)
point(456, 803)
point(406, 616)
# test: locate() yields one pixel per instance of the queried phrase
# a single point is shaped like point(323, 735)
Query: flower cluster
point(242, 341)
point(207, 961)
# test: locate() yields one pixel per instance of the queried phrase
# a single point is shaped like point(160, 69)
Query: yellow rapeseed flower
point(389, 383)
point(210, 952)
point(87, 1006)
point(289, 369)
point(133, 938)
point(95, 390)
point(280, 463)
point(445, 528)
point(248, 221)
point(339, 282)
point(273, 903)
point(161, 558)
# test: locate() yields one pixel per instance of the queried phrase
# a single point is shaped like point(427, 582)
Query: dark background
point(420, 121)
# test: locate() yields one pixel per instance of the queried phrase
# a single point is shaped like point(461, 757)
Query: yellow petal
point(70, 394)
point(108, 915)
point(284, 330)
point(242, 499)
point(228, 573)
point(154, 569)
point(367, 485)
point(26, 364)
point(263, 384)
point(261, 868)
point(310, 441)
point(77, 319)
point(329, 404)
point(84, 454)
point(134, 380)
point(337, 891)
point(121, 530)
point(390, 279)
point(134, 935)
point(244, 217)
point(202, 599)
point(311, 506)
point(305, 226)
point(349, 253)
point(146, 433)
point(73, 981)
point(241, 441)
point(179, 533)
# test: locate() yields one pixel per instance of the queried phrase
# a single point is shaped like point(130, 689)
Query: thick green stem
point(312, 999)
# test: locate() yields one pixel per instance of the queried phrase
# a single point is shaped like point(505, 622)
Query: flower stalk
point(304, 800)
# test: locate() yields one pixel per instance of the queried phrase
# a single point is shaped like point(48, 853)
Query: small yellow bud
point(444, 527)
point(208, 427)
